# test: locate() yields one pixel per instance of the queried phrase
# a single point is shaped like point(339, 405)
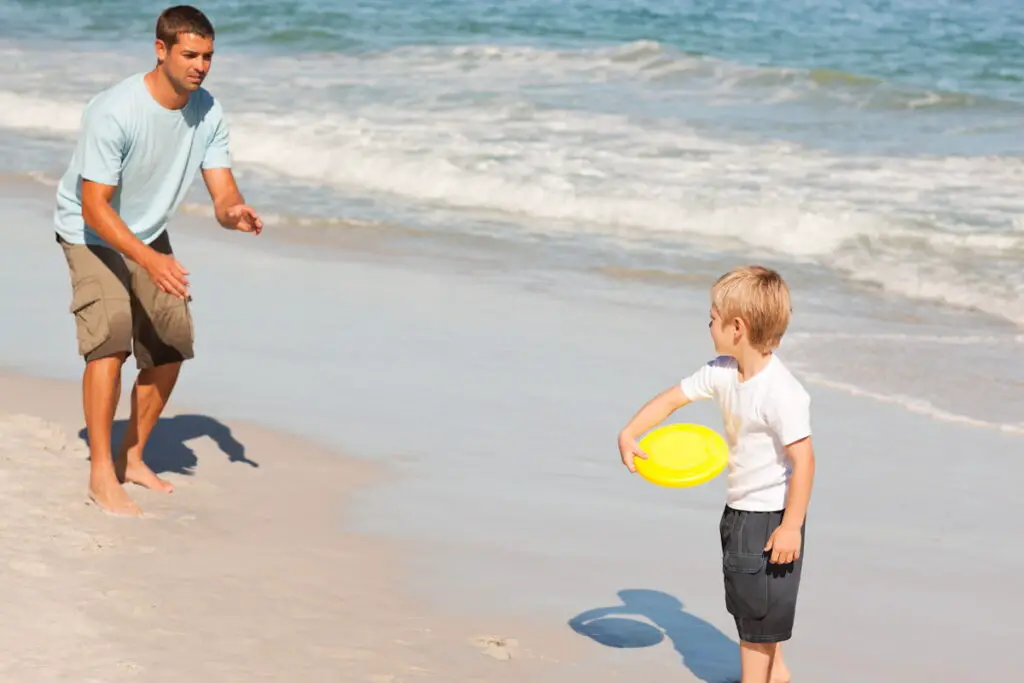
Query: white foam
point(45, 115)
point(463, 128)
point(914, 405)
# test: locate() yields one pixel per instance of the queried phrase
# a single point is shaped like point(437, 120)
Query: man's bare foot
point(140, 475)
point(110, 497)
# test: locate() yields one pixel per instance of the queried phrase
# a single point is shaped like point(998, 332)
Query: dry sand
point(242, 574)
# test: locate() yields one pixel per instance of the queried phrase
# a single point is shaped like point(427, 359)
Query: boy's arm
point(653, 413)
point(801, 455)
point(785, 542)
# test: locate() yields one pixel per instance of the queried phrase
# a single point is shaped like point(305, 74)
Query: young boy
point(771, 461)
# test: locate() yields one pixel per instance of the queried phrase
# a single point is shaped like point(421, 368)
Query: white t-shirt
point(761, 417)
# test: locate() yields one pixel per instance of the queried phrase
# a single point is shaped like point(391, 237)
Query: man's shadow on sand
point(711, 655)
point(167, 449)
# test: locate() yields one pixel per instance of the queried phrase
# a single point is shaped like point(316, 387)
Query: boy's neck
point(750, 361)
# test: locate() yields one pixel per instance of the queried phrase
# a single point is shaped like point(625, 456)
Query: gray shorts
point(760, 596)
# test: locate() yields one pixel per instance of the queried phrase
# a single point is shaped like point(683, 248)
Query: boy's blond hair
point(760, 297)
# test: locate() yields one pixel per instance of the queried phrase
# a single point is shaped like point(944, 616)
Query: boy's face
point(726, 334)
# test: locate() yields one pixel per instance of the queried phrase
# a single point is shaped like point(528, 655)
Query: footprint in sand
point(498, 648)
point(130, 667)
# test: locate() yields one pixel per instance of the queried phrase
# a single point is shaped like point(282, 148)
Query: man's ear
point(161, 51)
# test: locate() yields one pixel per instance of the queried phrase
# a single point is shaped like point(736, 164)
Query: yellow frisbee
point(681, 455)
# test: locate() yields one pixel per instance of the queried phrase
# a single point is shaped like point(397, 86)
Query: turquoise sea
point(870, 148)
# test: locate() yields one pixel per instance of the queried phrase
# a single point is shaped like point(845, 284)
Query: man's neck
point(749, 362)
point(161, 90)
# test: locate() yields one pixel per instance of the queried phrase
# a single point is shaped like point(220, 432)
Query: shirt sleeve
point(103, 144)
point(701, 384)
point(218, 154)
point(789, 416)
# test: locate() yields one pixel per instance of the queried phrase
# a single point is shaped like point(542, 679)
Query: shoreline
point(872, 329)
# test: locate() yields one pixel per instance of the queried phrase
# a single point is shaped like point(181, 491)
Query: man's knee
point(165, 334)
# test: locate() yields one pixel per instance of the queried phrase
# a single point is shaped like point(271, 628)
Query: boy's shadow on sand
point(711, 655)
point(167, 449)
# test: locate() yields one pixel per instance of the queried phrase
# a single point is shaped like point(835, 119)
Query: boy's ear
point(738, 328)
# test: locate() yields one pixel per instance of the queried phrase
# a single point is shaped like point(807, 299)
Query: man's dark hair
point(182, 19)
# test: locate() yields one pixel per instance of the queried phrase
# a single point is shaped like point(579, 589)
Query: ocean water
point(870, 149)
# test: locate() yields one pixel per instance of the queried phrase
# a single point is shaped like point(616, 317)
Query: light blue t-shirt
point(149, 152)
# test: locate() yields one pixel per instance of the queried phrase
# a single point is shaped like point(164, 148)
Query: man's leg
point(163, 341)
point(152, 389)
point(100, 390)
point(103, 327)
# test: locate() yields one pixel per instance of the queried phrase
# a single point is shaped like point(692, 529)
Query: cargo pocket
point(746, 584)
point(92, 326)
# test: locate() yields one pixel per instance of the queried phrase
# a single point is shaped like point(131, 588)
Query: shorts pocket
point(746, 584)
point(92, 326)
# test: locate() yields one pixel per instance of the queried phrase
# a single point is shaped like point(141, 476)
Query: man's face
point(187, 62)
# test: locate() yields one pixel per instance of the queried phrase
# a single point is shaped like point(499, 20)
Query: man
point(142, 141)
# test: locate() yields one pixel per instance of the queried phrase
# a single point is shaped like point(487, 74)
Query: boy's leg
point(779, 672)
point(763, 663)
point(761, 596)
point(103, 327)
point(164, 337)
point(756, 661)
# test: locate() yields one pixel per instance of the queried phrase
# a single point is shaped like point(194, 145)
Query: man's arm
point(168, 274)
point(99, 215)
point(228, 203)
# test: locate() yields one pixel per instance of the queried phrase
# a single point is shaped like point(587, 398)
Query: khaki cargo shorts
point(119, 309)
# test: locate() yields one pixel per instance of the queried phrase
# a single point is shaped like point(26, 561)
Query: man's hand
point(167, 273)
point(243, 218)
point(629, 449)
point(785, 545)
point(228, 203)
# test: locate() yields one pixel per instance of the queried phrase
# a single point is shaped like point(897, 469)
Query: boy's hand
point(629, 449)
point(785, 545)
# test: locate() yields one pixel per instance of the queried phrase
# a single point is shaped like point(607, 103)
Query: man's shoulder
point(112, 103)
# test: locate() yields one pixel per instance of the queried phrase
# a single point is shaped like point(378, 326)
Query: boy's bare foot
point(140, 475)
point(110, 497)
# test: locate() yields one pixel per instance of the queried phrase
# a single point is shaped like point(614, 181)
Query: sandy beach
point(240, 575)
point(422, 484)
